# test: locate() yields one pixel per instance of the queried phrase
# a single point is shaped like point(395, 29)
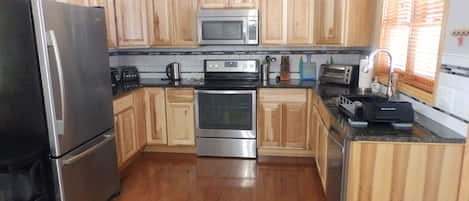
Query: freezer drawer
point(90, 174)
point(226, 147)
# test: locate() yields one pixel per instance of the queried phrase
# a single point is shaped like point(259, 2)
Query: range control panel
point(231, 66)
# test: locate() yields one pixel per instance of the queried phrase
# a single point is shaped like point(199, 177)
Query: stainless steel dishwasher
point(336, 166)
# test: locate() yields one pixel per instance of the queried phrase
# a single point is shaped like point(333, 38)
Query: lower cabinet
point(128, 141)
point(321, 152)
point(155, 104)
point(282, 122)
point(180, 116)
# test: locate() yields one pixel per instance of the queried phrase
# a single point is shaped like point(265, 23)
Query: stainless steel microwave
point(228, 27)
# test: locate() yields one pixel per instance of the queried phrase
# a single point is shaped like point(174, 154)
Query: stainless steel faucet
point(371, 62)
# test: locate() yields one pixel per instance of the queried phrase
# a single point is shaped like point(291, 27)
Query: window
point(411, 29)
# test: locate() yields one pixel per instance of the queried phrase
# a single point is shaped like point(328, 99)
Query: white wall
point(458, 18)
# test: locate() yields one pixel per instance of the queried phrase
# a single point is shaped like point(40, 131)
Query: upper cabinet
point(228, 3)
point(329, 18)
point(287, 22)
point(132, 23)
point(344, 22)
point(172, 23)
point(184, 22)
point(110, 12)
point(273, 22)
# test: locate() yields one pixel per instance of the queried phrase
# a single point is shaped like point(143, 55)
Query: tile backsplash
point(152, 63)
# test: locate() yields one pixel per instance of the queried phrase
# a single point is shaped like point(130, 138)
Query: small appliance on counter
point(124, 78)
point(265, 67)
point(340, 74)
point(173, 71)
point(363, 110)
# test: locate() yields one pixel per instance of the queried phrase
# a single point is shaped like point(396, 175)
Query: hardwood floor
point(180, 177)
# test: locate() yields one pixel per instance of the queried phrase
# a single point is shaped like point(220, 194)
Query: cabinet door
point(314, 129)
point(126, 134)
point(76, 2)
point(110, 11)
point(294, 125)
point(329, 16)
point(184, 22)
point(270, 124)
point(243, 3)
point(180, 116)
point(155, 116)
point(160, 24)
point(139, 106)
point(300, 16)
point(118, 131)
point(181, 126)
point(322, 153)
point(214, 3)
point(273, 22)
point(131, 17)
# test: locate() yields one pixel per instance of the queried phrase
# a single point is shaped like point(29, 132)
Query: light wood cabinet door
point(126, 135)
point(132, 23)
point(329, 14)
point(294, 125)
point(359, 22)
point(155, 104)
point(139, 106)
point(214, 3)
point(270, 125)
point(180, 116)
point(243, 3)
point(300, 23)
point(322, 153)
point(160, 22)
point(313, 129)
point(184, 21)
point(273, 22)
point(110, 11)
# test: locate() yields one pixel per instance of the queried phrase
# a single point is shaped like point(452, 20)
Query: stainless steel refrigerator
point(55, 76)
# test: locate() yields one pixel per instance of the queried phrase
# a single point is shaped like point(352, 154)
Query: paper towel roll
point(365, 79)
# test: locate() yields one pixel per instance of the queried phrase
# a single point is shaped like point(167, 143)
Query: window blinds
point(411, 29)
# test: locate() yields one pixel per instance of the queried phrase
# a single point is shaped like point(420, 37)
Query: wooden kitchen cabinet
point(228, 3)
point(126, 135)
point(110, 11)
point(287, 22)
point(282, 122)
point(184, 21)
point(214, 3)
point(160, 26)
point(273, 22)
point(404, 171)
point(243, 3)
point(345, 22)
point(140, 110)
point(300, 22)
point(155, 103)
point(321, 153)
point(132, 23)
point(329, 16)
point(180, 116)
point(314, 129)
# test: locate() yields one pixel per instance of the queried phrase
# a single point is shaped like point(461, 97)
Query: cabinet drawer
point(123, 103)
point(179, 95)
point(283, 95)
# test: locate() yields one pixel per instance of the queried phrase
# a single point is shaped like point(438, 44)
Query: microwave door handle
point(245, 31)
point(58, 61)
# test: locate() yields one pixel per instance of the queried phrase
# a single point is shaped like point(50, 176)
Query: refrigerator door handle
point(89, 151)
point(53, 42)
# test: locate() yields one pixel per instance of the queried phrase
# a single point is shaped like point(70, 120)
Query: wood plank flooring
point(183, 177)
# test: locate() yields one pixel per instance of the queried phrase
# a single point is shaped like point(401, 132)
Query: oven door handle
point(225, 92)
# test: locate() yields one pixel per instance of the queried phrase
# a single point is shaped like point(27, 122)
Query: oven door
point(226, 114)
point(226, 31)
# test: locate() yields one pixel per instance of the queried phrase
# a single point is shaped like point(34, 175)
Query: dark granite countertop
point(424, 130)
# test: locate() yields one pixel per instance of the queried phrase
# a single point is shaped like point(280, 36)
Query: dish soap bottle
point(375, 86)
